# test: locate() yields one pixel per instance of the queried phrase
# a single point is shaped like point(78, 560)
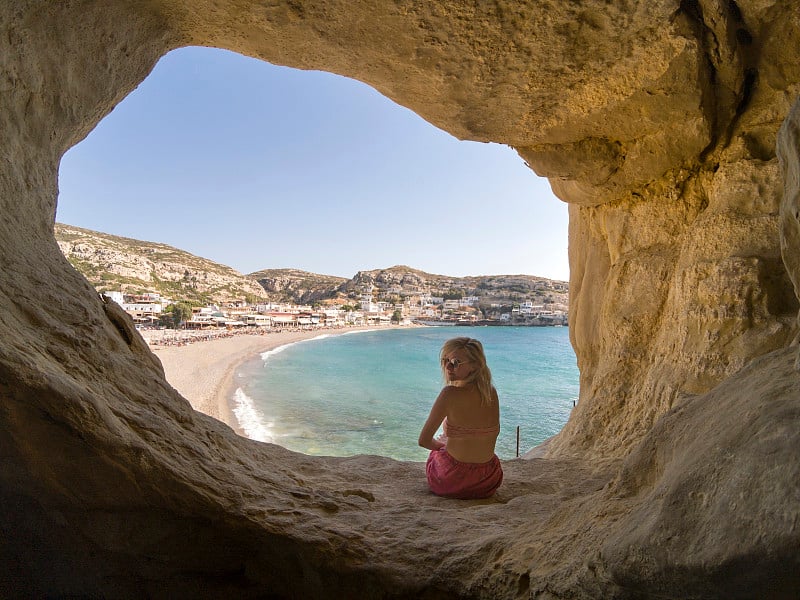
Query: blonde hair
point(481, 376)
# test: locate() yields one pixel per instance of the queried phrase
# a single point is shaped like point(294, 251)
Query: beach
point(202, 369)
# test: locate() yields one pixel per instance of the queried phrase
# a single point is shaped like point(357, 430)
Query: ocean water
point(369, 392)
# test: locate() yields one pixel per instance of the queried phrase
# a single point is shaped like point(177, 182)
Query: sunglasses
point(453, 363)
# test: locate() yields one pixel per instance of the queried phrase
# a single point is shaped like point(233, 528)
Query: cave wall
point(656, 121)
point(789, 156)
point(678, 283)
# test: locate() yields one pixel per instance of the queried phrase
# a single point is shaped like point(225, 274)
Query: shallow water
point(370, 392)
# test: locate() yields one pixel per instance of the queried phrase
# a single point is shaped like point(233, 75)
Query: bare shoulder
point(452, 391)
point(448, 391)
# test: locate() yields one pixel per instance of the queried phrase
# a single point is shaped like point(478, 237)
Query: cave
point(672, 130)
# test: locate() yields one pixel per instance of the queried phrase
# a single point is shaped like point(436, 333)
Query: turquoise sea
point(369, 392)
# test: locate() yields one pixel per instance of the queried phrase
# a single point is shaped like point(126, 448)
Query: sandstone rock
point(677, 475)
point(789, 154)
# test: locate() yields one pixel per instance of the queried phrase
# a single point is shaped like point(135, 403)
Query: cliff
point(677, 475)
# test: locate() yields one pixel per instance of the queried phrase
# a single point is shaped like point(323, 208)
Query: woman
point(462, 463)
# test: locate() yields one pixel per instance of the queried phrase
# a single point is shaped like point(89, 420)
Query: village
point(151, 310)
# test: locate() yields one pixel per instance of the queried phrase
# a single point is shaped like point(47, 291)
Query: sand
point(202, 371)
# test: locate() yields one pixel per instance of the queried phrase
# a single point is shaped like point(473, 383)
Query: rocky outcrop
point(398, 277)
point(301, 287)
point(677, 475)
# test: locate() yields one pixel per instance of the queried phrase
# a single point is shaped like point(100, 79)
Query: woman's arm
point(435, 418)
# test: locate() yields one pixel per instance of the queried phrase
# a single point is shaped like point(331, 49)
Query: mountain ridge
point(111, 262)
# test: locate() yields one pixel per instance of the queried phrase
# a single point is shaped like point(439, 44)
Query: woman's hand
point(431, 444)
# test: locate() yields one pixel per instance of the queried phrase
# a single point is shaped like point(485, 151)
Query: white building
point(257, 320)
point(142, 309)
point(115, 296)
point(529, 308)
point(367, 305)
point(452, 304)
point(332, 316)
point(354, 317)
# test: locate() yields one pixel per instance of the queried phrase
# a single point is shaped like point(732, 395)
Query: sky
point(257, 166)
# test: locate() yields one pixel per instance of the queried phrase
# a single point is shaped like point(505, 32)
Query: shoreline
point(203, 371)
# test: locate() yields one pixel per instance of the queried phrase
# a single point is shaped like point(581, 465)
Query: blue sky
point(257, 166)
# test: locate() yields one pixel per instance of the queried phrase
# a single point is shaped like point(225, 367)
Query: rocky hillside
point(300, 287)
point(110, 262)
point(400, 281)
point(404, 281)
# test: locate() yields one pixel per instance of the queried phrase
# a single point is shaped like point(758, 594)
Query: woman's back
point(471, 426)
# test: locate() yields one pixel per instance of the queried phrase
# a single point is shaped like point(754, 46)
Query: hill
point(132, 266)
point(404, 281)
point(299, 287)
point(400, 282)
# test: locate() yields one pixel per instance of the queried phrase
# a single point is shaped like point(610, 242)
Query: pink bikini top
point(454, 431)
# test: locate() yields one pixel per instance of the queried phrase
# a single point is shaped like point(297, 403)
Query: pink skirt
point(451, 478)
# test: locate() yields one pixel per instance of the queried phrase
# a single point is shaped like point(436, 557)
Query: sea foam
point(251, 419)
point(265, 355)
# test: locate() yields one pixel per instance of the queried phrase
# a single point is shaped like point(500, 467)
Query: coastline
point(203, 371)
point(208, 372)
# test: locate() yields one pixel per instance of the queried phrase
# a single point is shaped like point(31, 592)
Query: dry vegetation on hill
point(111, 262)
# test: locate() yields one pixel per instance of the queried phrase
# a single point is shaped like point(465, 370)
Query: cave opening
point(257, 167)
